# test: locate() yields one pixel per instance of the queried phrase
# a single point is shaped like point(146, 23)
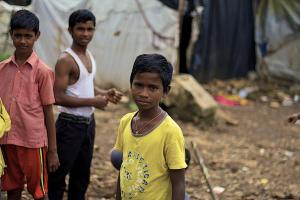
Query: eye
point(153, 88)
point(28, 36)
point(80, 29)
point(18, 36)
point(137, 85)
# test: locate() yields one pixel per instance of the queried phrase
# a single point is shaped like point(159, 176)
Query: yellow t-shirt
point(144, 173)
point(5, 125)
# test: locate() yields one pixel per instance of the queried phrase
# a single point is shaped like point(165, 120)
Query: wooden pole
point(181, 5)
point(203, 168)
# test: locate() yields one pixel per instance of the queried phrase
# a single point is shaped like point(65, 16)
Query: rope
point(150, 26)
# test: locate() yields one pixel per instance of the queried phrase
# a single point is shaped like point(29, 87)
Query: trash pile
point(241, 92)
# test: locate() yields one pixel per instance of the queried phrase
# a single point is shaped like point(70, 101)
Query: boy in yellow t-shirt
point(5, 125)
point(152, 143)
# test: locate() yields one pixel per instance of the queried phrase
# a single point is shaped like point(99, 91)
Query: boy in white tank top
point(77, 97)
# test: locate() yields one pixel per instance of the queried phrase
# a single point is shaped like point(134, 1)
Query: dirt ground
point(257, 159)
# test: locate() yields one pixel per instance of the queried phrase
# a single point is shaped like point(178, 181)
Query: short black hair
point(81, 15)
point(24, 19)
point(153, 63)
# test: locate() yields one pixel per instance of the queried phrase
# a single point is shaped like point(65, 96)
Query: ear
point(10, 32)
point(37, 35)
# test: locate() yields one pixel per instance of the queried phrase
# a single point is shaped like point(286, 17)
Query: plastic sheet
point(225, 47)
point(121, 34)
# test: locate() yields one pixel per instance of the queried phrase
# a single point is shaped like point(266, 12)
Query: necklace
point(139, 131)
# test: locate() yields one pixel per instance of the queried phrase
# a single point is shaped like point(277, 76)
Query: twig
point(203, 168)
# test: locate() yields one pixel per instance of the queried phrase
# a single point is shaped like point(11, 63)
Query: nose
point(144, 93)
point(86, 32)
point(22, 40)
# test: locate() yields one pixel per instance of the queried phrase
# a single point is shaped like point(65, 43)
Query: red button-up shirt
point(24, 90)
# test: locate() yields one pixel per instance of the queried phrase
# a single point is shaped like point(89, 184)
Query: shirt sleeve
point(175, 152)
point(119, 141)
point(45, 84)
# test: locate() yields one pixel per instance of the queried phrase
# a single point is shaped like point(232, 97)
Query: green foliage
point(4, 56)
point(132, 106)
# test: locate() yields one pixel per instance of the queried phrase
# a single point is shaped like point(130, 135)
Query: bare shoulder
point(65, 62)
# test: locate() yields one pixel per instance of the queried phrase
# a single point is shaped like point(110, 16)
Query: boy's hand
point(53, 161)
point(100, 101)
point(293, 118)
point(114, 95)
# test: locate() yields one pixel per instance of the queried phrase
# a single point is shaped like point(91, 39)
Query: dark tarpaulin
point(186, 29)
point(170, 3)
point(19, 2)
point(225, 47)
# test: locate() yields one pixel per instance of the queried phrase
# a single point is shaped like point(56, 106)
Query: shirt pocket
point(29, 94)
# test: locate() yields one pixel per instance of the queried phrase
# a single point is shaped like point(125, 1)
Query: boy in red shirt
point(28, 96)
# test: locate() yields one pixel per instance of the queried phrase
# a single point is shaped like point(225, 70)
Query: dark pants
point(75, 141)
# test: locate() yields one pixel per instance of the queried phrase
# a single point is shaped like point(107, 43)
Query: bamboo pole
point(203, 168)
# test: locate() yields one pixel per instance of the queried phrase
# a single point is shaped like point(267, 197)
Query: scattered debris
point(264, 181)
point(274, 104)
point(220, 114)
point(253, 89)
point(218, 190)
point(288, 153)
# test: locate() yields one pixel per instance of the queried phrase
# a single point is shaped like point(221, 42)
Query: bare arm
point(293, 118)
point(113, 95)
point(178, 183)
point(63, 71)
point(52, 157)
point(118, 190)
point(99, 91)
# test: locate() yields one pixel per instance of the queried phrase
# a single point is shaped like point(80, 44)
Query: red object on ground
point(222, 100)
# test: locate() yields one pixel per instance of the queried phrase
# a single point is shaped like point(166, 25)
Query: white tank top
point(83, 88)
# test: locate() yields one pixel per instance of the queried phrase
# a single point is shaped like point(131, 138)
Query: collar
point(32, 60)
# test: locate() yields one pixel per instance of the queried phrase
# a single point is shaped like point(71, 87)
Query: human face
point(82, 33)
point(147, 90)
point(24, 39)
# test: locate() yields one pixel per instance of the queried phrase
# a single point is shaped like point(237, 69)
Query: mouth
point(84, 40)
point(141, 102)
